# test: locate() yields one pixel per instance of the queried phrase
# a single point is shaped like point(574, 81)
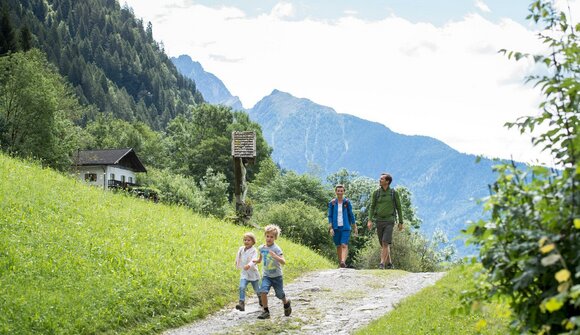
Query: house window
point(90, 177)
point(130, 180)
point(112, 177)
point(123, 179)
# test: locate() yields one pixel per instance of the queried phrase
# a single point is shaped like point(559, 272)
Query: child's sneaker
point(264, 315)
point(287, 308)
point(240, 306)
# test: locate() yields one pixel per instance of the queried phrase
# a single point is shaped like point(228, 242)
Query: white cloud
point(446, 82)
point(283, 10)
point(482, 6)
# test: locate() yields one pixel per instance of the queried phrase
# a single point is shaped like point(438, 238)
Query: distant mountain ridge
point(444, 182)
point(211, 87)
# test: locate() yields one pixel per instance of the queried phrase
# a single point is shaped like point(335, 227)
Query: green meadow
point(79, 260)
point(434, 311)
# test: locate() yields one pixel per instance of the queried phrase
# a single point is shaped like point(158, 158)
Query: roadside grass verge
point(78, 260)
point(431, 311)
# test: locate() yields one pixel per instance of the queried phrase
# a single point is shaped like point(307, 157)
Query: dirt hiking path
point(327, 302)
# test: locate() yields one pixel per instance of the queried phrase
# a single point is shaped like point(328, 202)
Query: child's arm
point(279, 258)
point(251, 263)
point(238, 259)
point(259, 259)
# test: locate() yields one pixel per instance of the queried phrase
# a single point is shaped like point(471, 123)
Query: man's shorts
point(341, 237)
point(385, 231)
point(276, 282)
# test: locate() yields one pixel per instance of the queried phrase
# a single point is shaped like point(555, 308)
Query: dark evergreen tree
point(7, 37)
point(25, 38)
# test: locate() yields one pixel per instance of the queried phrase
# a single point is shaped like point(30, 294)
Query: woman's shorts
point(341, 237)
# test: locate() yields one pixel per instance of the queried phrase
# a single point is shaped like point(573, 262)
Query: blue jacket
point(347, 214)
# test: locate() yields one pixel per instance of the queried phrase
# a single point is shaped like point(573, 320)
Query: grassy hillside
point(75, 259)
point(431, 311)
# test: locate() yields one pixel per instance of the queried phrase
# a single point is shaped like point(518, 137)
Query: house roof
point(125, 157)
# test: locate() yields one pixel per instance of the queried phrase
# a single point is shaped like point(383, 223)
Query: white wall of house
point(100, 175)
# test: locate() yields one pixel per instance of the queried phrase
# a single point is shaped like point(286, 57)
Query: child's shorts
point(276, 282)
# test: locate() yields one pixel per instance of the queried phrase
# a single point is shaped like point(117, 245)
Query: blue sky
point(419, 67)
point(437, 12)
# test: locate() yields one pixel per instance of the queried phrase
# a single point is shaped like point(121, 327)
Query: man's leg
point(381, 225)
point(384, 252)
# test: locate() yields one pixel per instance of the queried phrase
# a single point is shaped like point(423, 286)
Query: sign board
point(244, 144)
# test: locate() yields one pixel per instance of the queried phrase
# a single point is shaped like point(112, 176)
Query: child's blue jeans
point(277, 283)
point(243, 284)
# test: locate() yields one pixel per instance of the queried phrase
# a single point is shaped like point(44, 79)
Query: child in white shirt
point(249, 273)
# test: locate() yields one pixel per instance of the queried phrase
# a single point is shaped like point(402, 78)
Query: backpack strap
point(376, 195)
point(394, 199)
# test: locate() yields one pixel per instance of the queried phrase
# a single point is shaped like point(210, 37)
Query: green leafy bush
point(411, 251)
point(530, 244)
point(300, 223)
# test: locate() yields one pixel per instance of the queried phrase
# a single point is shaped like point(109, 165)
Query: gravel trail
point(336, 301)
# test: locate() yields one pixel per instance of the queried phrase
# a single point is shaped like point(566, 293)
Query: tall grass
point(79, 260)
point(432, 311)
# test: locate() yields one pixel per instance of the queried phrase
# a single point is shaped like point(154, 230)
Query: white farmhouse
point(109, 168)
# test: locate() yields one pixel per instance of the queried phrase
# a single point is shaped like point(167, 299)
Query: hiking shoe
point(381, 266)
point(264, 315)
point(240, 306)
point(287, 308)
point(390, 266)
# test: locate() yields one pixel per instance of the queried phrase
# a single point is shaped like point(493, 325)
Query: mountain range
point(211, 87)
point(445, 183)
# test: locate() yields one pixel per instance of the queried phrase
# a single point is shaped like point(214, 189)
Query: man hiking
point(385, 206)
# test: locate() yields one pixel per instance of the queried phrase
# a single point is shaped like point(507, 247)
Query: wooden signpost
point(243, 153)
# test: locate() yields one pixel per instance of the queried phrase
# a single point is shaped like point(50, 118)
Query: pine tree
point(7, 38)
point(25, 38)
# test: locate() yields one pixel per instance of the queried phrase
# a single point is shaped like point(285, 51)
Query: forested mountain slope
point(107, 54)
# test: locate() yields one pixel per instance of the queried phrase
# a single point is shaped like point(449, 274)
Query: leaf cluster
point(529, 245)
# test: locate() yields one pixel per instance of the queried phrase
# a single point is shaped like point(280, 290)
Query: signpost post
point(243, 153)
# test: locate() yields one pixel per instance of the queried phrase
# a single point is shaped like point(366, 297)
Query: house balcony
point(117, 184)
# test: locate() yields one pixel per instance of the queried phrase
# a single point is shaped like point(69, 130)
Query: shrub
point(411, 251)
point(529, 245)
point(301, 223)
